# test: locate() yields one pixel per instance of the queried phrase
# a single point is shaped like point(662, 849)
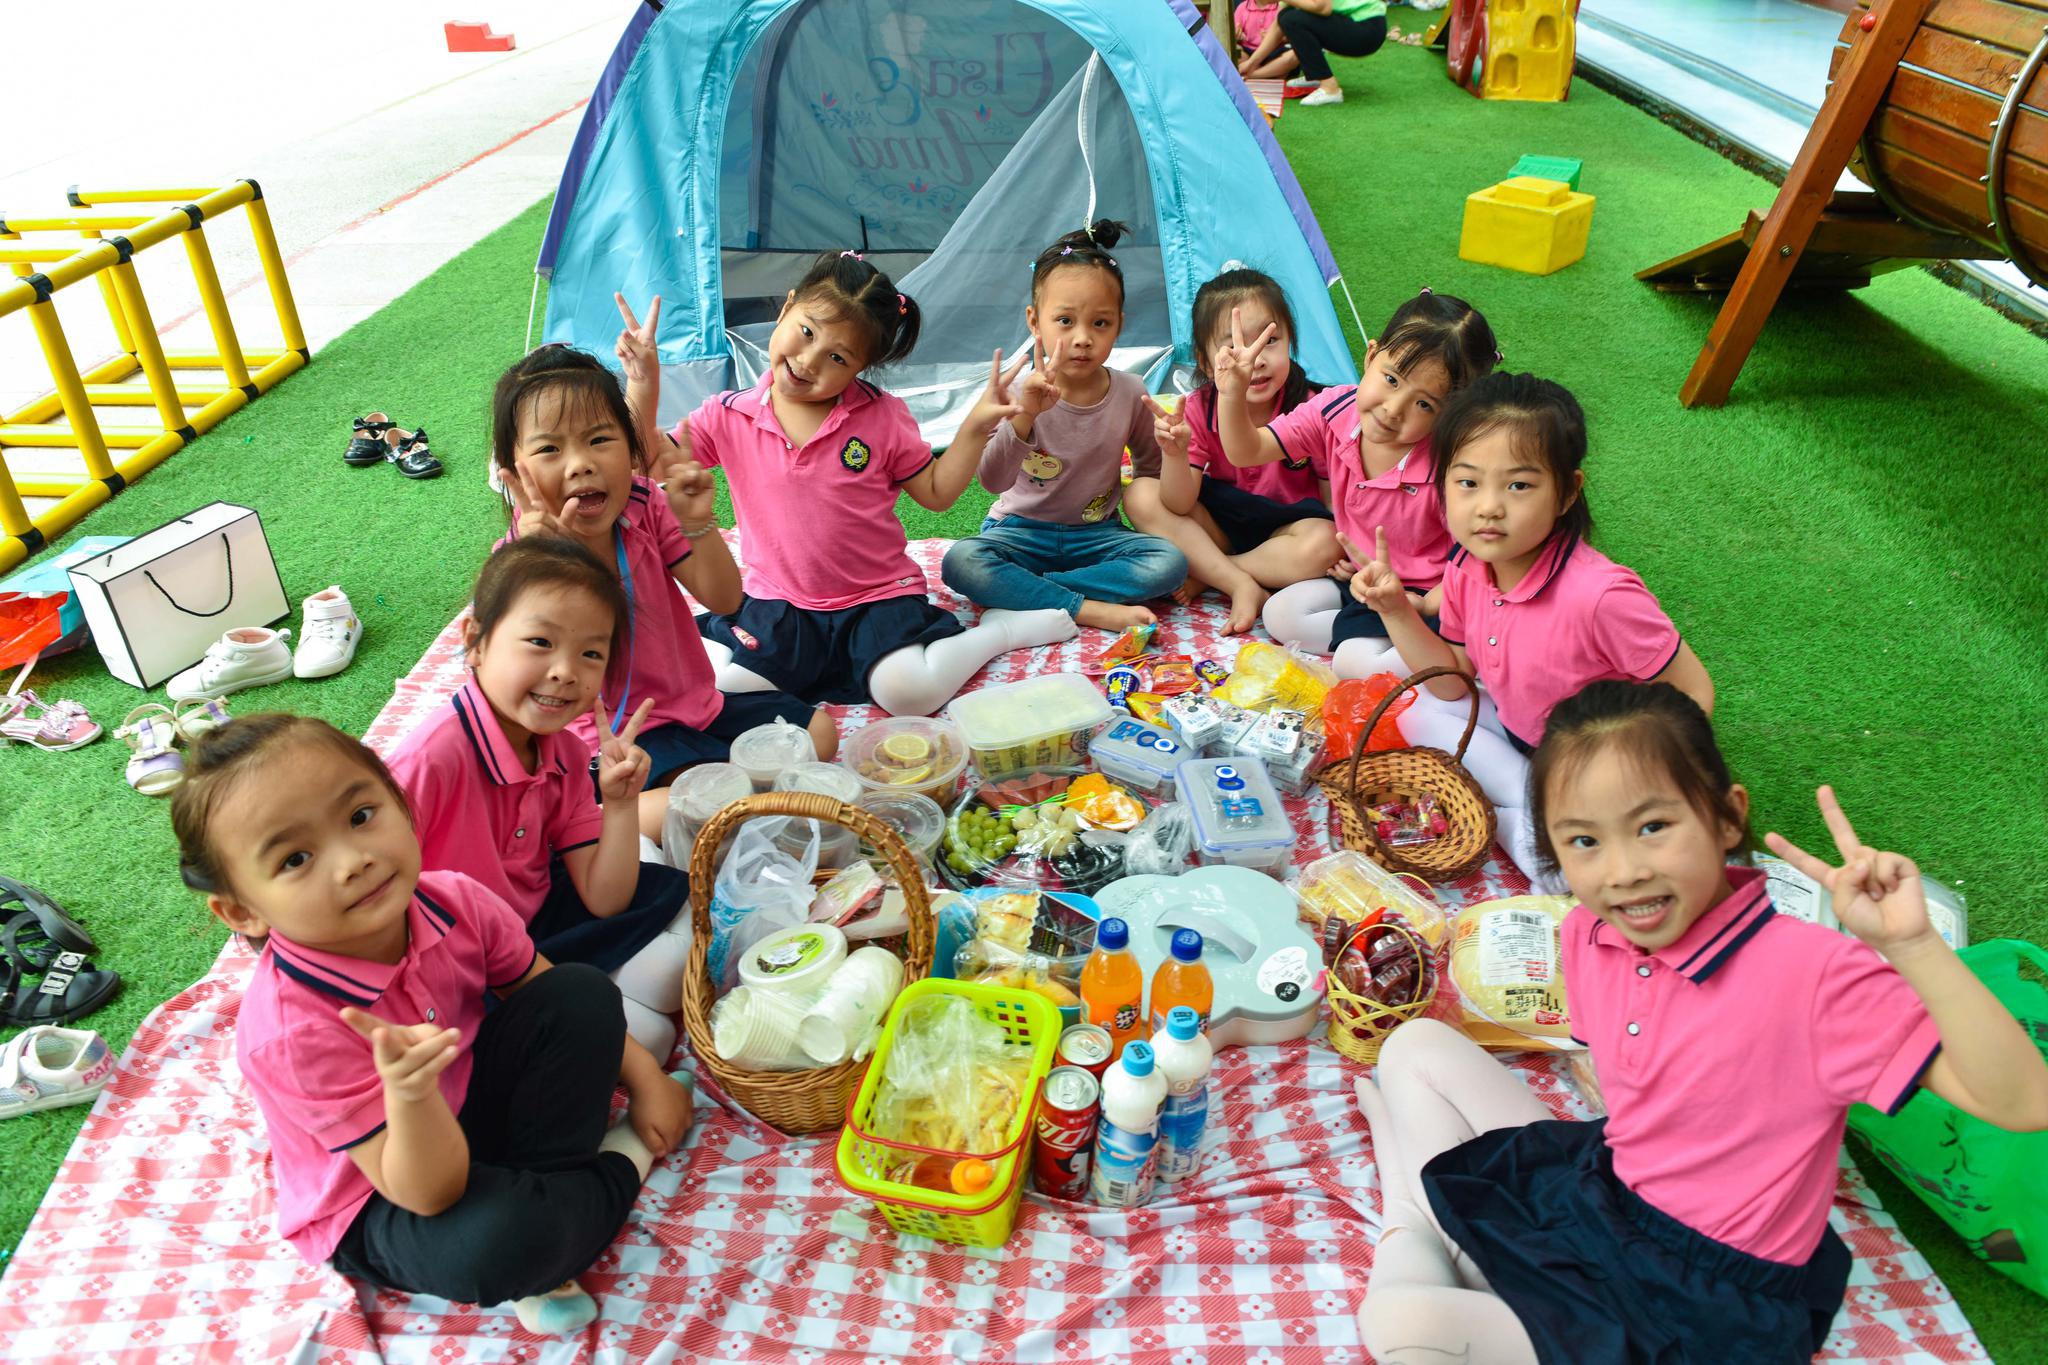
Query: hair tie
point(858, 257)
point(1066, 251)
point(1233, 264)
point(1497, 356)
point(902, 305)
point(1427, 290)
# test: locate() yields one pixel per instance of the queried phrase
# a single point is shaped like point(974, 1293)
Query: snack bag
point(1267, 676)
point(1352, 889)
point(1349, 704)
point(1506, 964)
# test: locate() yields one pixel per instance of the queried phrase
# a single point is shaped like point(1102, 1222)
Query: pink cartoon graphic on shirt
point(1042, 468)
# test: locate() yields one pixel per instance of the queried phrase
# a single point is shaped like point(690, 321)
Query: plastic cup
point(767, 751)
point(852, 1006)
point(693, 799)
point(758, 1030)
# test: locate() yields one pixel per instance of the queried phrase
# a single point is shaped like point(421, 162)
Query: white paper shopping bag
point(155, 604)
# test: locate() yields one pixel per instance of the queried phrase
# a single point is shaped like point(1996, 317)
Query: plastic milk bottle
point(1126, 1141)
point(1183, 1053)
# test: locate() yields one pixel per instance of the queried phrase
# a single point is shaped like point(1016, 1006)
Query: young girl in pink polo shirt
point(417, 1142)
point(1528, 605)
point(576, 464)
point(1053, 539)
point(1691, 1224)
point(1243, 530)
point(1373, 442)
point(815, 456)
point(504, 790)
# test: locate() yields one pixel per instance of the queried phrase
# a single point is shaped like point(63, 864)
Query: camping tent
point(730, 140)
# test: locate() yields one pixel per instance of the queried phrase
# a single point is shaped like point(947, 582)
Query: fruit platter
point(1055, 829)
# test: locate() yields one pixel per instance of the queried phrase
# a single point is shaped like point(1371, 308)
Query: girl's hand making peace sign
point(636, 352)
point(1231, 365)
point(1375, 584)
point(534, 517)
point(1169, 429)
point(998, 400)
point(1877, 895)
point(1038, 392)
point(621, 764)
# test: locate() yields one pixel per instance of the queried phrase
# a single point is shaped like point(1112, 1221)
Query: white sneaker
point(1301, 83)
point(46, 1067)
point(327, 635)
point(248, 657)
point(1323, 97)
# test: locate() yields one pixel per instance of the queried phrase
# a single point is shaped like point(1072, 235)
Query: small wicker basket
point(796, 1102)
point(1388, 775)
point(1360, 1024)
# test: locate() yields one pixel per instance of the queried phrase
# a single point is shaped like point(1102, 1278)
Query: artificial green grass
point(1851, 545)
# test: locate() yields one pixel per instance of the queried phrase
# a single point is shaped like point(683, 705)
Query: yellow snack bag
point(1266, 676)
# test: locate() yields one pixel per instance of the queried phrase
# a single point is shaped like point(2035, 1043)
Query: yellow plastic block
point(1527, 224)
point(1529, 49)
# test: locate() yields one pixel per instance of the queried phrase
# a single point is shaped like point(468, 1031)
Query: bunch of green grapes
point(978, 837)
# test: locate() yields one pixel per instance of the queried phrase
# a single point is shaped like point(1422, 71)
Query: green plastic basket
point(982, 1219)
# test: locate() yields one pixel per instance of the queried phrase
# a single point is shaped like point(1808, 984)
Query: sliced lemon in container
point(907, 777)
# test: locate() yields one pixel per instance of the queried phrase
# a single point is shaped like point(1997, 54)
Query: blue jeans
point(1022, 565)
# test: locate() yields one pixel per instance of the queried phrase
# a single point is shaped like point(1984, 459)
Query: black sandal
point(71, 986)
point(57, 926)
point(411, 455)
point(366, 444)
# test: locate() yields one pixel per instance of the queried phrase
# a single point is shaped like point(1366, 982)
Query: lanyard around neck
point(626, 581)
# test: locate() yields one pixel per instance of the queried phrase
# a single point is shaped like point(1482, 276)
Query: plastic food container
point(1141, 756)
point(796, 961)
point(837, 845)
point(917, 818)
point(1238, 816)
point(908, 754)
point(766, 751)
point(700, 793)
point(1037, 723)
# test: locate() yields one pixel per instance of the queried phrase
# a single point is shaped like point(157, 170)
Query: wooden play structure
point(1941, 108)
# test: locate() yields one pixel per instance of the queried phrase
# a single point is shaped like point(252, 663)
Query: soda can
point(1066, 1128)
point(1087, 1046)
point(1119, 683)
point(1212, 673)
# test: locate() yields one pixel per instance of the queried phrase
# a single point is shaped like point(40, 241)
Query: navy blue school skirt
point(565, 931)
point(1357, 621)
point(1596, 1274)
point(825, 656)
point(1247, 519)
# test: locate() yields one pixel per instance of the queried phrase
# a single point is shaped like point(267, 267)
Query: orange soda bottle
point(1113, 987)
point(1182, 979)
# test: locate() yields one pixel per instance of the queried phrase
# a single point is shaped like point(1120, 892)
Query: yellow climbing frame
point(117, 229)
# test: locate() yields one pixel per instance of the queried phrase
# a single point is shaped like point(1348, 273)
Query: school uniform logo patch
point(855, 455)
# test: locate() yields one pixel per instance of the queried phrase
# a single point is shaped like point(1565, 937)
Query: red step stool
point(473, 35)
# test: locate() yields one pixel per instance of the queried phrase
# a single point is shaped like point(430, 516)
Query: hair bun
point(1106, 232)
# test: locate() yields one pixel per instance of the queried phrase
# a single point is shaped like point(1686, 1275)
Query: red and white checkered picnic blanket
point(156, 1243)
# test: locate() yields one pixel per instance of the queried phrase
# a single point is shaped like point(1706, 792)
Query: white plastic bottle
point(1127, 1139)
point(1185, 1056)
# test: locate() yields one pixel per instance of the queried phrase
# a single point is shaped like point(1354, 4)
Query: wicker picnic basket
point(1388, 775)
point(796, 1102)
point(1359, 1024)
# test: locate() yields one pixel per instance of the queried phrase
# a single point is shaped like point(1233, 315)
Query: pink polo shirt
point(818, 523)
point(1729, 1061)
point(665, 656)
point(478, 811)
point(1324, 431)
point(1576, 617)
point(1288, 479)
point(314, 1077)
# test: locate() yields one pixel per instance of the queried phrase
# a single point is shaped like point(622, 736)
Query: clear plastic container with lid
point(767, 750)
point(919, 754)
point(917, 818)
point(1037, 723)
point(1139, 755)
point(837, 845)
point(700, 793)
point(1238, 815)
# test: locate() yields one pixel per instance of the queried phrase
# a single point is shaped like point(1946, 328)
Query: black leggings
point(1311, 34)
point(542, 1202)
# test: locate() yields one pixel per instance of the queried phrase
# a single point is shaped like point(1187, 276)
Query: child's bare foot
point(1245, 605)
point(1190, 589)
point(1110, 616)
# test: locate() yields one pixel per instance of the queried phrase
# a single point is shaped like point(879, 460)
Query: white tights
point(917, 680)
point(1426, 1303)
point(652, 984)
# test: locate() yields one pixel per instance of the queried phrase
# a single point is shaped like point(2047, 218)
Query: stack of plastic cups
point(843, 1021)
point(757, 1029)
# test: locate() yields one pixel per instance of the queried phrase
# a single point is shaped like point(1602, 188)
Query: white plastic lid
point(703, 791)
point(827, 779)
point(795, 961)
point(1032, 709)
point(1234, 804)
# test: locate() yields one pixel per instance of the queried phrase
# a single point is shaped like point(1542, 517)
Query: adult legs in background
point(1304, 615)
point(1425, 1303)
point(1314, 35)
point(918, 679)
point(542, 1200)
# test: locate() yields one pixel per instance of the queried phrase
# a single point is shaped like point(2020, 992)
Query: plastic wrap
point(951, 1081)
